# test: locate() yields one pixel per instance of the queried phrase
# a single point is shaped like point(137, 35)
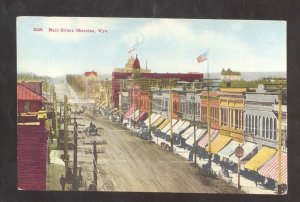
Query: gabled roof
point(24, 93)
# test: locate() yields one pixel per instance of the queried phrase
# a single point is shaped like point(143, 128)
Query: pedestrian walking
point(62, 182)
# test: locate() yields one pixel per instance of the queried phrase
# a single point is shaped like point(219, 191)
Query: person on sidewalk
point(62, 181)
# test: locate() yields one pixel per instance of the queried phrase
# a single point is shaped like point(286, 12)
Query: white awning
point(187, 133)
point(183, 127)
point(248, 148)
point(168, 126)
point(228, 149)
point(178, 125)
point(199, 133)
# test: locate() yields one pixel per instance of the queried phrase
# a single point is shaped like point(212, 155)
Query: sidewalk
point(56, 168)
point(248, 186)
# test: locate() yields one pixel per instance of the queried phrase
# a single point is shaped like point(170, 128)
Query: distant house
point(28, 100)
point(230, 75)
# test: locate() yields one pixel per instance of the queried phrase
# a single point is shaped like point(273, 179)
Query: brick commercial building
point(123, 75)
point(28, 100)
point(32, 155)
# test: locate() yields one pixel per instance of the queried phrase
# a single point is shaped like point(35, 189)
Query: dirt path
point(131, 164)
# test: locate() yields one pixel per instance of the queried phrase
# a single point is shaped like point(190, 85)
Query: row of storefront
point(261, 161)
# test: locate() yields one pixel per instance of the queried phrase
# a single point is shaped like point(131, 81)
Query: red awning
point(129, 112)
point(204, 141)
point(270, 169)
point(141, 116)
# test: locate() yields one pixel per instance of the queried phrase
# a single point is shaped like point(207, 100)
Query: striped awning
point(153, 119)
point(174, 126)
point(229, 149)
point(204, 140)
point(128, 113)
point(187, 133)
point(184, 126)
point(270, 169)
point(134, 115)
point(140, 116)
point(164, 123)
point(168, 126)
point(158, 121)
point(248, 147)
point(219, 143)
point(262, 156)
point(178, 125)
point(199, 133)
point(146, 121)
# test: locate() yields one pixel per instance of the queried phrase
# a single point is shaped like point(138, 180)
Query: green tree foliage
point(246, 84)
point(76, 82)
point(47, 83)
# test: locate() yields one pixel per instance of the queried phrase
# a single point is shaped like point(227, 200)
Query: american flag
point(202, 57)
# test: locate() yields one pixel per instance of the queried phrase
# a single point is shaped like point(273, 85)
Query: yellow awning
point(157, 122)
point(42, 115)
point(260, 158)
point(219, 143)
point(163, 124)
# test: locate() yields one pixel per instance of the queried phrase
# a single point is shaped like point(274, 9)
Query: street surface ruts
point(131, 164)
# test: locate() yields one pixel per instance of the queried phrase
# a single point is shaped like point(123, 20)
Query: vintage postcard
point(151, 105)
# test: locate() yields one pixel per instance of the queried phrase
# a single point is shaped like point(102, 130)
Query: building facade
point(231, 112)
point(261, 122)
point(28, 100)
point(214, 103)
point(189, 105)
point(32, 151)
point(117, 76)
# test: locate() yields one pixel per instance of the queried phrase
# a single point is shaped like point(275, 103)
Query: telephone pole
point(150, 112)
point(279, 183)
point(95, 163)
point(75, 156)
point(66, 156)
point(133, 96)
point(208, 126)
point(194, 117)
point(55, 112)
point(120, 101)
point(171, 111)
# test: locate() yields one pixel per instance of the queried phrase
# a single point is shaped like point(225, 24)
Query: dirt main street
point(131, 164)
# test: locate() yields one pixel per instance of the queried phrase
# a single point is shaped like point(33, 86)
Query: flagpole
point(208, 115)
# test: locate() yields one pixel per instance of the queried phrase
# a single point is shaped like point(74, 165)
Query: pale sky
point(168, 45)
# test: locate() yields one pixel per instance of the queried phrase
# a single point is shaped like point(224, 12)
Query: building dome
point(136, 64)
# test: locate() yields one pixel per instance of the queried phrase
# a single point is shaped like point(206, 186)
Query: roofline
point(31, 91)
